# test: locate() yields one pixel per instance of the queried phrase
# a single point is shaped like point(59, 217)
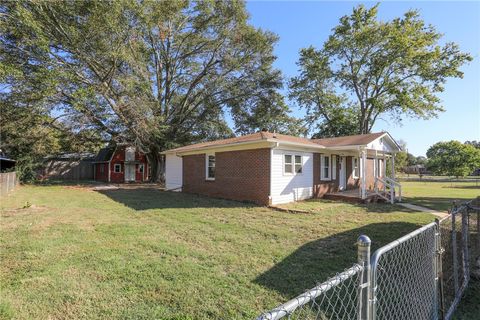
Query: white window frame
point(141, 166)
point(355, 170)
point(322, 167)
point(117, 165)
point(334, 167)
point(207, 156)
point(293, 163)
point(284, 163)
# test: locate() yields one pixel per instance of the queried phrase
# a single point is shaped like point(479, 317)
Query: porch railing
point(389, 189)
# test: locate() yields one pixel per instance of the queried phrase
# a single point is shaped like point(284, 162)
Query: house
point(415, 169)
point(270, 168)
point(120, 163)
point(67, 166)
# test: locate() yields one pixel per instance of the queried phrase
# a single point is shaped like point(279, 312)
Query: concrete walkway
point(410, 206)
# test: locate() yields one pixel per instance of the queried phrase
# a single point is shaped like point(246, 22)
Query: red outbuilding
point(120, 163)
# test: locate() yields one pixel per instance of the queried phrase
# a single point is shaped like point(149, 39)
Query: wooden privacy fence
point(8, 182)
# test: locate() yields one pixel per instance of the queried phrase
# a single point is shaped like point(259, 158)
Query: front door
point(342, 183)
point(129, 172)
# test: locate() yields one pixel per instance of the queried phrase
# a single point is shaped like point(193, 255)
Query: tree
point(421, 160)
point(29, 134)
point(368, 69)
point(474, 143)
point(453, 158)
point(411, 159)
point(271, 113)
point(157, 73)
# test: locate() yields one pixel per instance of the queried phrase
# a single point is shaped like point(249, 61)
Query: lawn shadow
point(153, 198)
point(316, 261)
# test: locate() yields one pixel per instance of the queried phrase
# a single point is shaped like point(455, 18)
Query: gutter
point(275, 143)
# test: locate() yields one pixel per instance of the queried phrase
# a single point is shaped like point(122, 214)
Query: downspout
point(270, 196)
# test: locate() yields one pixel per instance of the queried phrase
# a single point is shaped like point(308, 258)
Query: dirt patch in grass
point(31, 209)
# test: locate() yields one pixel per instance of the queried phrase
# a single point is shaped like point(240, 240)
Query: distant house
point(67, 166)
point(6, 164)
point(269, 168)
point(415, 169)
point(120, 163)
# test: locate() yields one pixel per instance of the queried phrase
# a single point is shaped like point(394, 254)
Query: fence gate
point(404, 277)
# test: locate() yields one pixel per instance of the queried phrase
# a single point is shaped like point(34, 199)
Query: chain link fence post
point(465, 257)
point(439, 270)
point(454, 247)
point(364, 245)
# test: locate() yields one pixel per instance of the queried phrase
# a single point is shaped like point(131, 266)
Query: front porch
point(370, 178)
point(355, 196)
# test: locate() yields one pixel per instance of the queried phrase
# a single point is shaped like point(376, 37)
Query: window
point(210, 165)
point(334, 167)
point(292, 164)
point(287, 164)
point(130, 154)
point(325, 167)
point(102, 168)
point(298, 164)
point(140, 168)
point(355, 168)
point(117, 168)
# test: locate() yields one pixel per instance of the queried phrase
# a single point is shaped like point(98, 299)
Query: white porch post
point(393, 166)
point(363, 176)
point(384, 167)
point(376, 171)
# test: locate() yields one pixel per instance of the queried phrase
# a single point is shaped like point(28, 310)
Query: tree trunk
point(157, 165)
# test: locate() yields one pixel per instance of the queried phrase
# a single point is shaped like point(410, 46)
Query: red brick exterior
point(239, 175)
point(321, 187)
point(119, 158)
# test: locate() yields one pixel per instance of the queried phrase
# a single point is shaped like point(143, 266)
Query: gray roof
point(105, 154)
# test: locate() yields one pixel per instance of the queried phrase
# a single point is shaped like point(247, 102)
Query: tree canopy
point(157, 73)
point(453, 158)
point(369, 69)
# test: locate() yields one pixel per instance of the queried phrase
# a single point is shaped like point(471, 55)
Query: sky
point(300, 24)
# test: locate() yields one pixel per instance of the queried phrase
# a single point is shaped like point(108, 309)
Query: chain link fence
point(422, 275)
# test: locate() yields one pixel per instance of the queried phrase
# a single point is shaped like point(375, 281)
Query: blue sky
point(300, 24)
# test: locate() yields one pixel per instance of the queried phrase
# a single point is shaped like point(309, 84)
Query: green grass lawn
point(439, 195)
point(70, 252)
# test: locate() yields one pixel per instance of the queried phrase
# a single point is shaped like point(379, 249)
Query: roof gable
point(356, 140)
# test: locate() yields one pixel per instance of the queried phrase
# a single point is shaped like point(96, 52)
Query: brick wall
point(239, 175)
point(320, 187)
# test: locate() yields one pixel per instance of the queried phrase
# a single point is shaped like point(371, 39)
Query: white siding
point(291, 187)
point(173, 172)
point(381, 144)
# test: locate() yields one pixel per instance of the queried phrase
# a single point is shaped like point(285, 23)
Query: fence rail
point(8, 182)
point(421, 275)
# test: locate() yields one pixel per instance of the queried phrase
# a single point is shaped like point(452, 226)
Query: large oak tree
point(158, 73)
point(370, 68)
